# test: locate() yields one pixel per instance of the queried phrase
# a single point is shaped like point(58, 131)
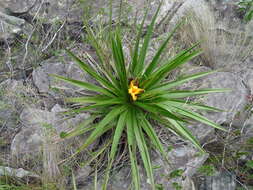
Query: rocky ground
point(33, 35)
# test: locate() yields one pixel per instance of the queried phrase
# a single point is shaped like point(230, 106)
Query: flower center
point(134, 90)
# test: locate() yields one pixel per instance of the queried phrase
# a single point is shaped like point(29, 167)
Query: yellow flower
point(134, 90)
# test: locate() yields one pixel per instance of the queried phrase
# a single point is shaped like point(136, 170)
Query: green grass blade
point(197, 117)
point(189, 104)
point(119, 59)
point(85, 67)
point(153, 64)
point(184, 132)
point(168, 85)
point(85, 85)
point(87, 99)
point(96, 154)
point(147, 127)
point(168, 66)
point(83, 127)
point(103, 126)
point(188, 93)
point(136, 48)
point(74, 181)
point(154, 108)
point(118, 132)
point(144, 153)
point(134, 168)
point(143, 52)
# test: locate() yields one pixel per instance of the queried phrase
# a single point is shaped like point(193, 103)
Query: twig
point(26, 51)
point(51, 41)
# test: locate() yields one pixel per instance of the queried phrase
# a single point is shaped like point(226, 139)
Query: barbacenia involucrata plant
point(128, 96)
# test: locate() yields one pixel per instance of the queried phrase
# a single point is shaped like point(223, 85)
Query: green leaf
point(134, 168)
point(80, 129)
point(184, 132)
point(144, 153)
point(168, 66)
point(119, 60)
point(87, 99)
point(189, 104)
point(85, 85)
point(116, 137)
point(131, 124)
point(98, 101)
point(103, 126)
point(188, 93)
point(168, 85)
point(93, 73)
point(153, 64)
point(143, 52)
point(196, 116)
point(147, 127)
point(249, 164)
point(118, 132)
point(136, 48)
point(176, 173)
point(154, 108)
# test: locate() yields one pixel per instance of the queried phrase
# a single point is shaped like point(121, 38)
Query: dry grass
point(224, 44)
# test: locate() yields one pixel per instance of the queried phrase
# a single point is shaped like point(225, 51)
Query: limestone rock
point(43, 80)
point(11, 26)
point(19, 173)
point(37, 125)
point(233, 102)
point(183, 158)
point(221, 180)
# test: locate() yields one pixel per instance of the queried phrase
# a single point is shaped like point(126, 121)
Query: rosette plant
point(128, 96)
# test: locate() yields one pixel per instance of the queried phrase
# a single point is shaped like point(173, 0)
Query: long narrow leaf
point(116, 137)
point(168, 66)
point(144, 153)
point(134, 168)
point(168, 85)
point(143, 52)
point(188, 93)
point(137, 43)
point(85, 67)
point(155, 60)
point(84, 85)
point(184, 132)
point(153, 108)
point(197, 117)
point(152, 135)
point(101, 127)
point(131, 124)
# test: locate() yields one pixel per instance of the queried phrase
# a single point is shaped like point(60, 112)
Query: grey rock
point(44, 82)
point(46, 10)
point(248, 80)
point(198, 7)
point(37, 125)
point(130, 10)
point(11, 102)
point(27, 145)
point(184, 158)
point(11, 26)
point(19, 173)
point(82, 174)
point(233, 102)
point(221, 180)
point(247, 129)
